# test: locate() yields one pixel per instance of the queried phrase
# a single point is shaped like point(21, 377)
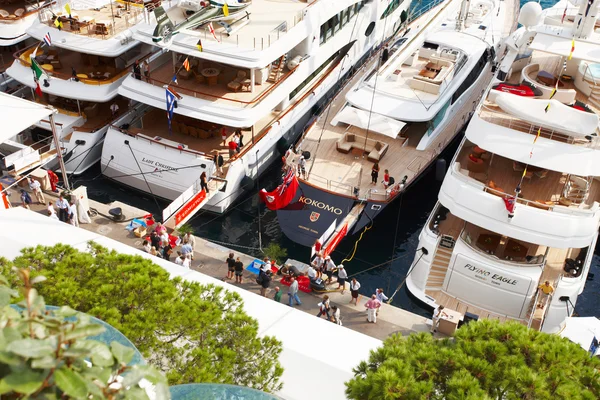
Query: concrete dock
point(209, 259)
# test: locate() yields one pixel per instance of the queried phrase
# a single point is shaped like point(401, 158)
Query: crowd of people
point(160, 245)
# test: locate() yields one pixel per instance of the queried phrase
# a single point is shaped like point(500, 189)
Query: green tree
point(47, 354)
point(275, 252)
point(191, 332)
point(485, 360)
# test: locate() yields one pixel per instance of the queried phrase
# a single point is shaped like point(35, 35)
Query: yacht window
point(313, 75)
point(439, 117)
point(392, 6)
point(471, 78)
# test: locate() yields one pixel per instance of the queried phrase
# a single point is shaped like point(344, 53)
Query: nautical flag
point(199, 45)
point(38, 73)
point(551, 96)
point(174, 79)
point(68, 9)
point(572, 49)
point(225, 9)
point(509, 203)
point(186, 64)
point(48, 40)
point(564, 14)
point(58, 24)
point(212, 31)
point(283, 194)
point(172, 97)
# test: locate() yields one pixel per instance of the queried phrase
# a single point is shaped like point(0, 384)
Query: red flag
point(38, 89)
point(283, 194)
point(509, 203)
point(212, 31)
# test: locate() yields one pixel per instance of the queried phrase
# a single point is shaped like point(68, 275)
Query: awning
point(562, 46)
point(374, 122)
point(559, 117)
point(19, 114)
point(582, 330)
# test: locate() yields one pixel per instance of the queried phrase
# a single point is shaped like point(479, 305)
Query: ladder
point(276, 69)
point(440, 263)
point(576, 189)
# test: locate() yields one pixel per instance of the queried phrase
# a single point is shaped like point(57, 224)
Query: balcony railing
point(455, 171)
point(498, 117)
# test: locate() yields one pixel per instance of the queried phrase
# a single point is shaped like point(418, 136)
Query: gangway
point(190, 202)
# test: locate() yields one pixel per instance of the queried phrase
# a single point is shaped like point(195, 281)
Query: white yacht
point(264, 69)
point(519, 204)
point(400, 116)
point(90, 53)
point(15, 17)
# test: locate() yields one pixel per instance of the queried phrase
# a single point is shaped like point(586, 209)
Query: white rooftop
point(18, 114)
point(310, 372)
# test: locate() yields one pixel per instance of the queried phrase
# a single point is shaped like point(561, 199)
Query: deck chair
point(4, 14)
point(236, 84)
point(19, 12)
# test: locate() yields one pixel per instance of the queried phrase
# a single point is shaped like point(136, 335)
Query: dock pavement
point(209, 259)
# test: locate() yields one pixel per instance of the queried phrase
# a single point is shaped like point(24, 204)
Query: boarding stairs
point(184, 207)
point(576, 189)
point(342, 229)
point(277, 69)
point(440, 263)
point(594, 98)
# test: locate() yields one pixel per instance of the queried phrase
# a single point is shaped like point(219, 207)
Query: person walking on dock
point(381, 297)
point(329, 266)
point(179, 259)
point(73, 219)
point(191, 239)
point(335, 315)
point(239, 269)
point(167, 250)
point(25, 199)
point(354, 286)
point(230, 266)
point(293, 293)
point(324, 307)
point(186, 249)
point(437, 314)
point(187, 261)
point(265, 283)
point(318, 264)
point(36, 188)
point(278, 293)
point(342, 276)
point(372, 306)
point(63, 208)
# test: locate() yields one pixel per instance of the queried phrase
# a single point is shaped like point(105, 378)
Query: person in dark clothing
point(203, 182)
point(167, 250)
point(137, 71)
point(385, 54)
point(374, 173)
point(220, 162)
point(264, 283)
point(230, 266)
point(155, 240)
point(239, 269)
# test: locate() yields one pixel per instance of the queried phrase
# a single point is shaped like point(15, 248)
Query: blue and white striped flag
point(172, 97)
point(48, 40)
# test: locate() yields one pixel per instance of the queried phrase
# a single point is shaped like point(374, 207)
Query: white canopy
point(88, 4)
point(18, 114)
point(581, 330)
point(374, 122)
point(559, 117)
point(561, 46)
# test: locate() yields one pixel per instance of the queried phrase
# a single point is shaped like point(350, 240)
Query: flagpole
point(61, 162)
point(258, 207)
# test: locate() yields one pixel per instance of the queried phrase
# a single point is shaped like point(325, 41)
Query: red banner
point(189, 206)
point(283, 194)
point(336, 240)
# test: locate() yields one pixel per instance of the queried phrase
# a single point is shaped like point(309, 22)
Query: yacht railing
point(495, 258)
point(331, 185)
point(455, 171)
point(30, 8)
point(503, 119)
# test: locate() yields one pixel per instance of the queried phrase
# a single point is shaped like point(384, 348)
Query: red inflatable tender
point(303, 283)
point(519, 90)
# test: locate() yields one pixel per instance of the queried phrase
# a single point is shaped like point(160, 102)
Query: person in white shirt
point(329, 267)
point(179, 259)
point(318, 264)
point(312, 274)
point(342, 276)
point(36, 188)
point(437, 314)
point(190, 238)
point(381, 297)
point(147, 246)
point(50, 208)
point(114, 109)
point(187, 262)
point(302, 167)
point(73, 214)
point(63, 209)
point(52, 214)
point(335, 315)
point(354, 286)
point(164, 237)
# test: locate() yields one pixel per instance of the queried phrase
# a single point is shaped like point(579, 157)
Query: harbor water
point(394, 234)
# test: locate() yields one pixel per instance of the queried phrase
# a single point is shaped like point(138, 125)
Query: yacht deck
point(12, 10)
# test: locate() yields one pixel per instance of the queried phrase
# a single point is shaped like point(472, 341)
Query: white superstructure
point(264, 72)
point(515, 211)
point(91, 53)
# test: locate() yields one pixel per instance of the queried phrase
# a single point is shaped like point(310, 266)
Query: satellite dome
point(530, 14)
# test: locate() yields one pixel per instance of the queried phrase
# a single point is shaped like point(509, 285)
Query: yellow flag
point(68, 9)
point(199, 45)
point(58, 24)
point(225, 9)
point(186, 64)
point(572, 49)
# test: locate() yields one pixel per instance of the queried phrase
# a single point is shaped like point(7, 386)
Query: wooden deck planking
point(453, 303)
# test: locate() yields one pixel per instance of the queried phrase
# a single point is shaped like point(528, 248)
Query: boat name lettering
point(477, 270)
point(157, 164)
point(497, 279)
point(320, 205)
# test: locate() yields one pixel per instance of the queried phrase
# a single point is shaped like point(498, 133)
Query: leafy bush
point(275, 252)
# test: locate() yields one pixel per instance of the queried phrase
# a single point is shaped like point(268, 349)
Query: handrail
point(23, 56)
point(495, 117)
point(587, 68)
point(494, 258)
point(495, 192)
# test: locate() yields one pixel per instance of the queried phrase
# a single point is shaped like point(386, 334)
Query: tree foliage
point(485, 360)
point(47, 354)
point(191, 332)
point(275, 252)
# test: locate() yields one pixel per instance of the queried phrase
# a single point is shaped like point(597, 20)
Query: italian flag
point(38, 74)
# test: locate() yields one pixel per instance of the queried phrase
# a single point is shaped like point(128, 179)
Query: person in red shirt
point(386, 179)
point(233, 146)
